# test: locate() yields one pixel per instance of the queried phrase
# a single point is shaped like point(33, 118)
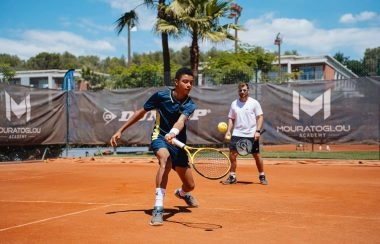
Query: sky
point(87, 27)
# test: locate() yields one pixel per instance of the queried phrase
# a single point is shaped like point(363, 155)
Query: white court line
point(105, 205)
point(56, 217)
point(34, 177)
point(59, 202)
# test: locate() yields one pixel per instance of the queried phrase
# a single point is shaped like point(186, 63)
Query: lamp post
point(235, 13)
point(278, 41)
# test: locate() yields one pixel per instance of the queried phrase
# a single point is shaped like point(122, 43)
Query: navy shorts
point(178, 156)
point(255, 143)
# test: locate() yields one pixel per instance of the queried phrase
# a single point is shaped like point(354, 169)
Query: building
point(303, 68)
point(51, 79)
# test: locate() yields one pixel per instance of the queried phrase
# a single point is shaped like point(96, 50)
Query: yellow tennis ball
point(222, 127)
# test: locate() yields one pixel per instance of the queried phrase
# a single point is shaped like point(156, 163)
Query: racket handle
point(178, 143)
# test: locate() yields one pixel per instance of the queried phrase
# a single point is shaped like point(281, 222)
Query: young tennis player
point(173, 109)
point(246, 120)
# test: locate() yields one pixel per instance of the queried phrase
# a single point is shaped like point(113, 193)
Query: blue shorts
point(255, 143)
point(178, 156)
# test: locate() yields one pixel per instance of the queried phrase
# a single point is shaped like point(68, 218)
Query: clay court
point(109, 200)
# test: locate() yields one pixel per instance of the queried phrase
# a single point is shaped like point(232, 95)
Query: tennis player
point(173, 109)
point(246, 120)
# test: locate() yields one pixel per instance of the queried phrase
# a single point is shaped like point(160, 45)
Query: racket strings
point(244, 146)
point(211, 163)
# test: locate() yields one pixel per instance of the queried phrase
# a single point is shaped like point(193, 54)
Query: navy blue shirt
point(168, 110)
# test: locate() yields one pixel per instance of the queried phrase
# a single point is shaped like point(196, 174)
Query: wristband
point(258, 131)
point(174, 131)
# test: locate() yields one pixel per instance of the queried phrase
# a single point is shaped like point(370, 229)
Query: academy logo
point(18, 109)
point(312, 107)
point(320, 131)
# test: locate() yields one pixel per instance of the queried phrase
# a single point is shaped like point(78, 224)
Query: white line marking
point(56, 217)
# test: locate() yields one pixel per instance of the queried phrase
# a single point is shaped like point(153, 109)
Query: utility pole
point(278, 42)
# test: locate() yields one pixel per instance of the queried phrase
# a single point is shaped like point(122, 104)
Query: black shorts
point(255, 143)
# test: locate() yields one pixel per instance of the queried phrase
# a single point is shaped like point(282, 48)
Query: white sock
point(160, 195)
point(261, 173)
point(233, 174)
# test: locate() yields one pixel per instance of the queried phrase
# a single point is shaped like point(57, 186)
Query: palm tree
point(162, 14)
point(129, 19)
point(132, 19)
point(199, 19)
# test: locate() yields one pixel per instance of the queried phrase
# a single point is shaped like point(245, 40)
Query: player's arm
point(177, 127)
point(259, 125)
point(135, 117)
point(230, 125)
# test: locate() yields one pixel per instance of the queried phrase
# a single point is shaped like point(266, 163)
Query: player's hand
point(257, 136)
point(115, 138)
point(227, 136)
point(169, 137)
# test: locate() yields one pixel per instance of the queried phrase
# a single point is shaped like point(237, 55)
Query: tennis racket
point(244, 146)
point(210, 163)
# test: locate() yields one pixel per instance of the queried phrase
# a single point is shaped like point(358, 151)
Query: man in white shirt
point(246, 121)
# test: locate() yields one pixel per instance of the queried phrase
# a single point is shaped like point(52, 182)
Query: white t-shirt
point(244, 116)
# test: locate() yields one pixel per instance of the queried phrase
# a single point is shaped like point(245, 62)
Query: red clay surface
point(109, 200)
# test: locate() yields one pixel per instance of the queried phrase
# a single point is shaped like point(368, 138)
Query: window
point(311, 72)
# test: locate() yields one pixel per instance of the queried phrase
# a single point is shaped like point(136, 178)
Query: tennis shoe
point(263, 180)
point(157, 216)
point(189, 199)
point(230, 180)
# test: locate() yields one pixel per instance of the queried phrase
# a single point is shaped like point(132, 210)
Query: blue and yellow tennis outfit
point(168, 110)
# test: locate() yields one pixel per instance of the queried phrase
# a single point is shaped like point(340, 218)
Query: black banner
point(340, 111)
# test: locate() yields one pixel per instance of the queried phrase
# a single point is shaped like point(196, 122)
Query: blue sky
point(86, 27)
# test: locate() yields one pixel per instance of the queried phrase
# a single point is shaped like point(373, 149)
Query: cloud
point(147, 16)
point(303, 36)
point(32, 42)
point(363, 16)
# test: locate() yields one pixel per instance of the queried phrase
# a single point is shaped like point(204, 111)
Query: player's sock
point(261, 173)
point(160, 194)
point(233, 174)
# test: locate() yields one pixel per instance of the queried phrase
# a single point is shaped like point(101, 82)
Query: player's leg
point(259, 161)
point(162, 175)
point(165, 165)
point(232, 155)
point(260, 168)
point(232, 176)
point(188, 185)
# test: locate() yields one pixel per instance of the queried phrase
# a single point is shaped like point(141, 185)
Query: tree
point(131, 16)
point(355, 66)
point(7, 72)
point(200, 20)
point(14, 61)
point(68, 61)
point(371, 61)
point(129, 20)
point(339, 56)
point(161, 14)
point(44, 61)
point(292, 52)
point(229, 67)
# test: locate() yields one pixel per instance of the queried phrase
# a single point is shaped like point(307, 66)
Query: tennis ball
point(222, 127)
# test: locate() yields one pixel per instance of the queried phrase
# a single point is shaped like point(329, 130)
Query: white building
point(51, 79)
point(312, 68)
